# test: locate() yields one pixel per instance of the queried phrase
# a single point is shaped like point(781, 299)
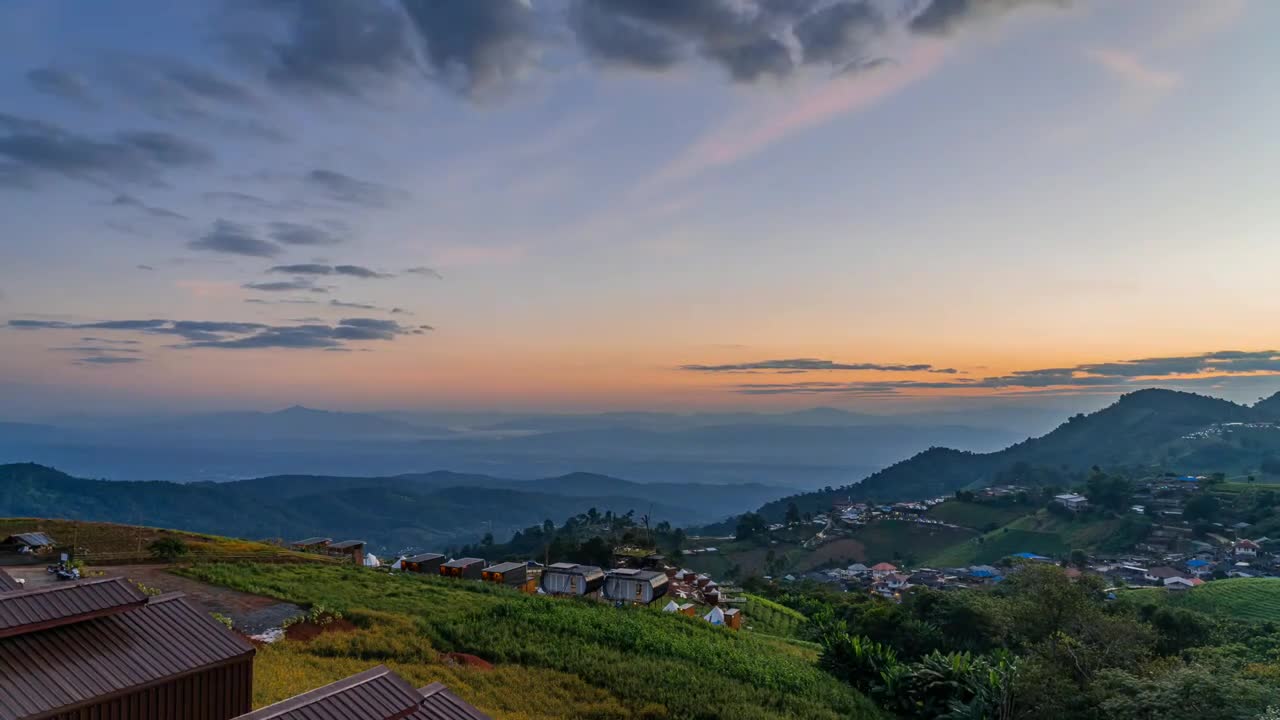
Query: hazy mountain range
point(806, 449)
point(424, 511)
point(1149, 431)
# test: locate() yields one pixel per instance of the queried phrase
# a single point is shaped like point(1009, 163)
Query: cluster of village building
point(636, 580)
point(1169, 557)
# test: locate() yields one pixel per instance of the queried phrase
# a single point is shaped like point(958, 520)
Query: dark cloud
point(126, 200)
point(34, 148)
point(109, 341)
point(944, 17)
point(61, 83)
point(239, 198)
point(283, 286)
point(343, 47)
point(748, 39)
point(353, 306)
point(477, 46)
point(812, 364)
point(107, 360)
point(227, 335)
point(360, 272)
point(291, 233)
point(312, 336)
point(235, 239)
point(302, 269)
point(148, 268)
point(839, 34)
point(347, 189)
point(1114, 375)
point(425, 272)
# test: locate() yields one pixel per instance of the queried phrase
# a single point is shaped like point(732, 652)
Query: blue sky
point(564, 204)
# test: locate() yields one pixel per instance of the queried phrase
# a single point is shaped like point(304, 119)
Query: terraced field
point(1240, 598)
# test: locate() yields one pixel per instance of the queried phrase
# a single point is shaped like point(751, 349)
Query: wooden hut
point(689, 609)
point(103, 649)
point(29, 542)
point(571, 579)
point(428, 563)
point(635, 586)
point(513, 574)
point(350, 548)
point(733, 618)
point(312, 544)
point(467, 568)
point(375, 694)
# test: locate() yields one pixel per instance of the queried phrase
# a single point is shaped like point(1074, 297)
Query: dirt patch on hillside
point(307, 630)
point(469, 661)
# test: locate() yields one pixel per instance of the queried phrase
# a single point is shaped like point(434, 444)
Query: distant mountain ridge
point(1147, 429)
point(423, 511)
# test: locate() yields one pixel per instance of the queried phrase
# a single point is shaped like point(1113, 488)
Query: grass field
point(1255, 599)
point(97, 543)
point(766, 616)
point(554, 658)
point(976, 515)
point(1040, 533)
point(900, 540)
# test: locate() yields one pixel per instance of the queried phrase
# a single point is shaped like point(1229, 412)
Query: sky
point(634, 204)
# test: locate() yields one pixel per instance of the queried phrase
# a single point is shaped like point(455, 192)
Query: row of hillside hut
point(566, 579)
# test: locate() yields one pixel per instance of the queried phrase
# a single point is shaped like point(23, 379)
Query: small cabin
point(348, 548)
point(733, 618)
point(466, 568)
point(314, 544)
point(375, 694)
point(29, 542)
point(428, 563)
point(571, 579)
point(513, 574)
point(689, 609)
point(635, 586)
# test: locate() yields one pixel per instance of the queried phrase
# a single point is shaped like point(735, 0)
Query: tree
point(1202, 507)
point(1079, 558)
point(793, 514)
point(751, 525)
point(168, 549)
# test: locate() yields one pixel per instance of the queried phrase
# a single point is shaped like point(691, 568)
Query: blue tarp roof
point(1197, 563)
point(982, 573)
point(1029, 556)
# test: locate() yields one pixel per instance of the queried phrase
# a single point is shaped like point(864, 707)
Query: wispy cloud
point(1133, 71)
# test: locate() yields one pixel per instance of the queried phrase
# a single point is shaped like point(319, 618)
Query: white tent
point(671, 607)
point(371, 561)
point(398, 564)
point(715, 617)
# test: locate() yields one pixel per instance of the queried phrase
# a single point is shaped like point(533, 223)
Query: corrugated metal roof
point(439, 703)
point(346, 545)
point(506, 567)
point(376, 694)
point(313, 541)
point(34, 539)
point(68, 666)
point(424, 557)
point(42, 608)
point(463, 562)
point(8, 583)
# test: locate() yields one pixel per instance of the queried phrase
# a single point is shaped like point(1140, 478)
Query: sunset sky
point(613, 204)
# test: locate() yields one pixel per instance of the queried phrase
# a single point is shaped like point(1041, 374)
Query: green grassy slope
point(976, 515)
point(640, 662)
point(1256, 599)
point(1039, 533)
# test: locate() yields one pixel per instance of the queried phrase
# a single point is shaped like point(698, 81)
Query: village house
point(1072, 501)
point(375, 694)
point(1246, 549)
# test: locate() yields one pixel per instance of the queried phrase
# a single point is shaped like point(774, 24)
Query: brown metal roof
point(312, 541)
point(439, 703)
point(346, 545)
point(424, 557)
point(506, 567)
point(30, 539)
point(463, 562)
point(376, 694)
point(8, 583)
point(59, 669)
point(46, 607)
